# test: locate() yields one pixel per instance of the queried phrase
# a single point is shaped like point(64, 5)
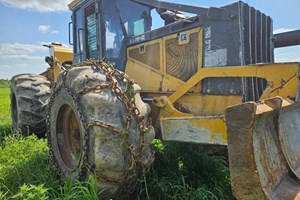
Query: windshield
point(121, 19)
point(135, 17)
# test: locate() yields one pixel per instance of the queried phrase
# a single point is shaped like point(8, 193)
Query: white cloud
point(47, 29)
point(19, 49)
point(39, 5)
point(9, 70)
point(55, 32)
point(282, 30)
point(21, 58)
point(44, 28)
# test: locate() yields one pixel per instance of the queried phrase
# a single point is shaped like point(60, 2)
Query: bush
point(31, 192)
point(4, 83)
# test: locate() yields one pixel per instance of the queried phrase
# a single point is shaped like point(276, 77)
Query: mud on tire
point(93, 131)
point(29, 96)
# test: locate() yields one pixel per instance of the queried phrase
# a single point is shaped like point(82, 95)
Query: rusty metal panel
point(258, 167)
point(289, 135)
point(203, 130)
point(244, 181)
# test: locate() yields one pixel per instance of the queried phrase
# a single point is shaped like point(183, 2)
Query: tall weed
point(25, 173)
point(24, 161)
point(186, 171)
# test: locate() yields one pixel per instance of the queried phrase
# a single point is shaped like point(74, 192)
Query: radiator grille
point(258, 48)
point(150, 56)
point(182, 60)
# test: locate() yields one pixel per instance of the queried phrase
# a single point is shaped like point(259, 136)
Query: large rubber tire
point(82, 132)
point(29, 97)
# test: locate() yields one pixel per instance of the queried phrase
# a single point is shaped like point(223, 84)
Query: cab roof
point(74, 3)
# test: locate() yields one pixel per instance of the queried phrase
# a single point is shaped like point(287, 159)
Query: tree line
point(4, 83)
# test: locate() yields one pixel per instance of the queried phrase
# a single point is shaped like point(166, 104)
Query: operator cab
point(101, 28)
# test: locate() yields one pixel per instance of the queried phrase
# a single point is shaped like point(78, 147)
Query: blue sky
point(27, 24)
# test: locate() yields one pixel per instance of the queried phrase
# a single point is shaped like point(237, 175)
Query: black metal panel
point(257, 48)
point(167, 30)
point(222, 47)
point(246, 40)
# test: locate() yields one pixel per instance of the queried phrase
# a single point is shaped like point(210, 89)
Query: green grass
point(5, 118)
point(186, 171)
point(25, 173)
point(24, 161)
point(180, 171)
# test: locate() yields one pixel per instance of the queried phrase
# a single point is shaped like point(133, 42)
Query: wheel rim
point(68, 137)
point(14, 109)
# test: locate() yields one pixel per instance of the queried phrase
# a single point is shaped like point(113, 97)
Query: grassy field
point(4, 83)
point(180, 171)
point(5, 120)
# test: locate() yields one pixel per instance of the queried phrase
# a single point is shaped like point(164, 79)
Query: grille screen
point(150, 57)
point(182, 60)
point(258, 48)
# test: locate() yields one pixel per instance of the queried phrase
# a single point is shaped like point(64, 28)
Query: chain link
point(135, 166)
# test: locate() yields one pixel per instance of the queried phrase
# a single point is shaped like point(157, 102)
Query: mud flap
point(263, 149)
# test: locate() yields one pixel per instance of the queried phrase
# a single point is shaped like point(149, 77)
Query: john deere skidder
point(208, 78)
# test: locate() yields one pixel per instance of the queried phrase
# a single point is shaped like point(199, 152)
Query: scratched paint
point(258, 167)
point(203, 130)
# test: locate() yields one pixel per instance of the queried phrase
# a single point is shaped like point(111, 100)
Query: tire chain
point(129, 182)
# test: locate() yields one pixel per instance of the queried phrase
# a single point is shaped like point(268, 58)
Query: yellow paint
point(213, 125)
point(206, 105)
point(171, 83)
point(207, 110)
point(60, 54)
point(275, 74)
point(168, 109)
point(73, 4)
point(151, 79)
point(151, 82)
point(206, 130)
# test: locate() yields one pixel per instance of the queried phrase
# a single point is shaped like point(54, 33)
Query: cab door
point(86, 32)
